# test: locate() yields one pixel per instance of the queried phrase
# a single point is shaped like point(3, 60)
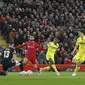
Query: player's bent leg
point(35, 62)
point(37, 67)
point(76, 60)
point(77, 68)
point(49, 61)
point(45, 68)
point(52, 64)
point(78, 63)
point(55, 69)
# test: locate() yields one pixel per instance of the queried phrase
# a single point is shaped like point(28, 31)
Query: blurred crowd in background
point(44, 19)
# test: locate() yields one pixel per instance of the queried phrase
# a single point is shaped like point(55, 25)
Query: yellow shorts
point(79, 57)
point(52, 58)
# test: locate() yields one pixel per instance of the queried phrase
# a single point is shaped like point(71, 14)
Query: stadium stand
point(44, 19)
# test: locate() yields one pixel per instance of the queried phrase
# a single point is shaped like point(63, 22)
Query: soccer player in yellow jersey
point(80, 48)
point(52, 47)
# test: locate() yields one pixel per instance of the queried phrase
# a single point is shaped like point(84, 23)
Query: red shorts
point(32, 59)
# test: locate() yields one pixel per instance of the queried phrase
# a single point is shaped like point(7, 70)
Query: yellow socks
point(54, 67)
point(77, 68)
point(47, 68)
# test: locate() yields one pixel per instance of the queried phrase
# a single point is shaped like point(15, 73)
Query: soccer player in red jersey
point(32, 46)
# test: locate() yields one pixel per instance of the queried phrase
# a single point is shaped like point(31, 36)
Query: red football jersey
point(31, 48)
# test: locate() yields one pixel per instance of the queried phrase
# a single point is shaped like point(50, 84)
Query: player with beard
point(31, 46)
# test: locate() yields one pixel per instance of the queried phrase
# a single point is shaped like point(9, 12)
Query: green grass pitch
point(48, 78)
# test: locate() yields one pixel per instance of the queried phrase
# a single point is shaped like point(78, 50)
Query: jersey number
point(6, 54)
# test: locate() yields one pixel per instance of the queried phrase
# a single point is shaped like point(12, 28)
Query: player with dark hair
point(52, 47)
point(32, 46)
point(8, 59)
point(80, 48)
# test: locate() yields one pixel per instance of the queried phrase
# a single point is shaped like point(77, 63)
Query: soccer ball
point(23, 73)
point(29, 72)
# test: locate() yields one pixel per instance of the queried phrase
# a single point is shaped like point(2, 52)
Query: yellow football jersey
point(51, 49)
point(81, 43)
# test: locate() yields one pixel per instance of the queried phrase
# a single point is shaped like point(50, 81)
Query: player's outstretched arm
point(20, 46)
point(39, 47)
